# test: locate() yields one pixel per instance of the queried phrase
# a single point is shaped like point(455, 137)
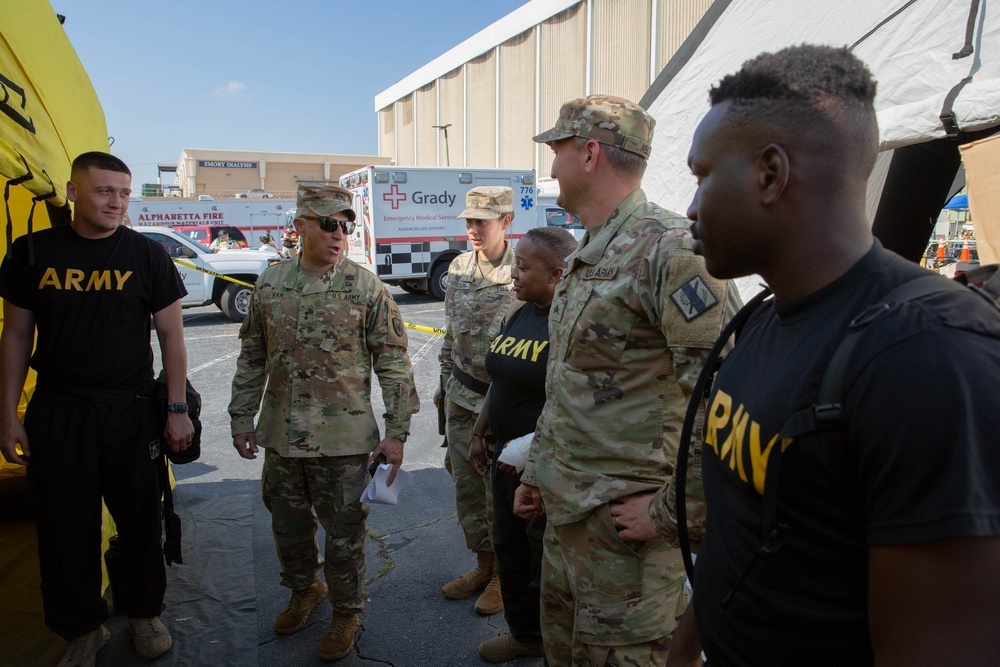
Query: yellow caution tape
point(420, 327)
point(408, 325)
point(212, 273)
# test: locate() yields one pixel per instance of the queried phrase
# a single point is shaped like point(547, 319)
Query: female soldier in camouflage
point(479, 296)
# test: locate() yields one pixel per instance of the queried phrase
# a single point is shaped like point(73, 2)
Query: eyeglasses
point(331, 224)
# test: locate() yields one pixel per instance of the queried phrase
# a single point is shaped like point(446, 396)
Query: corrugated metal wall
point(404, 130)
point(676, 20)
point(425, 118)
point(387, 131)
point(538, 70)
point(481, 103)
point(517, 106)
point(563, 71)
point(621, 48)
point(451, 89)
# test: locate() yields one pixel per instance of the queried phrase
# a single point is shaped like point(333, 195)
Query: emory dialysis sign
point(227, 165)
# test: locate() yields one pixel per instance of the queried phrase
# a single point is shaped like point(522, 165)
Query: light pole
point(447, 157)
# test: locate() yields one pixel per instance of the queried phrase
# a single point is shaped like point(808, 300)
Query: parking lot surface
point(222, 601)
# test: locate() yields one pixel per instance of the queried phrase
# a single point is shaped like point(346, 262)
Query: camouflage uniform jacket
point(631, 321)
point(316, 347)
point(476, 307)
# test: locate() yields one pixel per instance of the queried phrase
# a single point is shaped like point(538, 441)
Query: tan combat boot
point(82, 651)
point(302, 602)
point(490, 602)
point(150, 637)
point(473, 581)
point(505, 648)
point(339, 637)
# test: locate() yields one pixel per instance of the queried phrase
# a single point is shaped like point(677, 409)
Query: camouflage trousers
point(473, 494)
point(302, 493)
point(605, 601)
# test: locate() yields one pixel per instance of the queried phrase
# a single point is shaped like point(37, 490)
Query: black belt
point(467, 380)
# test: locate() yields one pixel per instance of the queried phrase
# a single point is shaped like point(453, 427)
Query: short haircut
point(622, 161)
point(804, 90)
point(99, 160)
point(554, 244)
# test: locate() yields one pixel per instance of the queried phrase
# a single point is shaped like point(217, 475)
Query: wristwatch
point(177, 407)
point(401, 437)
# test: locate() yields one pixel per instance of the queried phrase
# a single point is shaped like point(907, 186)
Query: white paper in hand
point(516, 452)
point(379, 491)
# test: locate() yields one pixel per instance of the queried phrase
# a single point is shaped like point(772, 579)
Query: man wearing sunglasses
point(318, 326)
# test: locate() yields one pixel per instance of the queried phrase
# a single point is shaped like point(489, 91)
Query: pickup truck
point(204, 288)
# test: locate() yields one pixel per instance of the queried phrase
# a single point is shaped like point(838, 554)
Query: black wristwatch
point(177, 407)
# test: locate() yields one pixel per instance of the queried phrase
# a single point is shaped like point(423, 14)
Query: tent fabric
point(50, 114)
point(909, 47)
point(958, 202)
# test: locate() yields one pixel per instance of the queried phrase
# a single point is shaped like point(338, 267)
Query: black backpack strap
point(827, 412)
point(700, 392)
point(832, 389)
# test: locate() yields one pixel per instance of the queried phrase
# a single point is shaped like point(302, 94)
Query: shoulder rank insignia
point(693, 298)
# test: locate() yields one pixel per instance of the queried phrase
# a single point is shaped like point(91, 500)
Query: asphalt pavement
point(222, 601)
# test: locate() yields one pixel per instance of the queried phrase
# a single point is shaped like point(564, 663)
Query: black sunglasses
point(331, 224)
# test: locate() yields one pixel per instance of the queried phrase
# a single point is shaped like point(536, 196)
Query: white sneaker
point(150, 638)
point(82, 651)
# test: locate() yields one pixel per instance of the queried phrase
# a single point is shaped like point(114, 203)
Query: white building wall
point(506, 83)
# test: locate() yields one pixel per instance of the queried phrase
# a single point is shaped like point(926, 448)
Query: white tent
point(937, 63)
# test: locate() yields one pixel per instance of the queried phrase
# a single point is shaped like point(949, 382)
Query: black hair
point(554, 244)
point(99, 160)
point(803, 90)
point(804, 75)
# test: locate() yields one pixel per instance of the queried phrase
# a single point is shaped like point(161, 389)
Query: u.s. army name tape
point(408, 325)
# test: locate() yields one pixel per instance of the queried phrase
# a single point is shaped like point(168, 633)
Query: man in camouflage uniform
point(317, 328)
point(630, 324)
point(479, 296)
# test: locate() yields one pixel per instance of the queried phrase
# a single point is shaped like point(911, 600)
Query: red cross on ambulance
point(394, 196)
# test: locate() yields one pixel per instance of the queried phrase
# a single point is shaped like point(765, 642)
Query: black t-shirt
point(516, 365)
point(92, 300)
point(918, 462)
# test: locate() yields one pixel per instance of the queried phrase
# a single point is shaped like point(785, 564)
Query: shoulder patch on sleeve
point(397, 330)
point(696, 313)
point(693, 298)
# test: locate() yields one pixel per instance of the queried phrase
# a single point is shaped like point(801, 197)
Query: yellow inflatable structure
point(50, 114)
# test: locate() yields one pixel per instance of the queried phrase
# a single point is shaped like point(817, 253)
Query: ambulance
point(408, 229)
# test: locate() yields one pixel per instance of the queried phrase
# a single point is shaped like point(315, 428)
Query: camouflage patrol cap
point(488, 202)
point(609, 120)
point(324, 199)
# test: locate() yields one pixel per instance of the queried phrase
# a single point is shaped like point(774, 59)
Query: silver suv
point(254, 193)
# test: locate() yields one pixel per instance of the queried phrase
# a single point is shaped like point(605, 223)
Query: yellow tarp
point(50, 114)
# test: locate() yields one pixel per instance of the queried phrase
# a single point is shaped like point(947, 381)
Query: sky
point(294, 76)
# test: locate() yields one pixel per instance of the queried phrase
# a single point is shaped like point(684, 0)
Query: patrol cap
point(608, 120)
point(488, 202)
point(324, 199)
